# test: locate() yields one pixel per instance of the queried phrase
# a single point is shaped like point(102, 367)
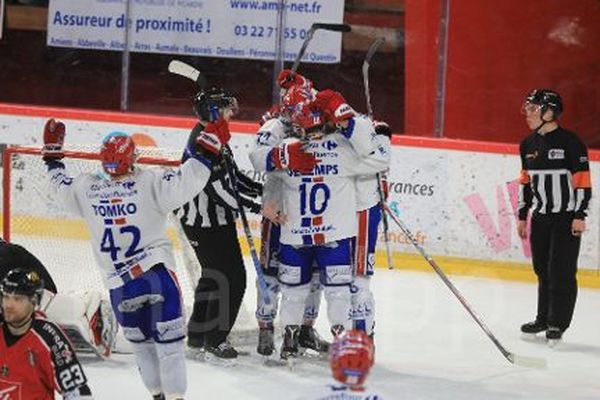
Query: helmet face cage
point(210, 103)
point(296, 108)
point(19, 281)
point(544, 98)
point(118, 153)
point(351, 358)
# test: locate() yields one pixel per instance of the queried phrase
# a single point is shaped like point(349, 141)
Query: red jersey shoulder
point(55, 340)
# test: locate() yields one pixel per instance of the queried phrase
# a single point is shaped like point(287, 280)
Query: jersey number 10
point(315, 198)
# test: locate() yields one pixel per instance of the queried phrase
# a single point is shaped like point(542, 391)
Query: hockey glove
point(287, 79)
point(293, 157)
point(333, 105)
point(215, 135)
point(273, 113)
point(382, 128)
point(54, 137)
point(255, 208)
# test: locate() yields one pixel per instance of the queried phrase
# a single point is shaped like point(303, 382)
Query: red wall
point(421, 21)
point(497, 52)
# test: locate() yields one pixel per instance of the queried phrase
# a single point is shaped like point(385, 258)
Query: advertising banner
point(224, 28)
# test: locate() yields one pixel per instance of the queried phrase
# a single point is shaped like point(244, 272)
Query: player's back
point(317, 205)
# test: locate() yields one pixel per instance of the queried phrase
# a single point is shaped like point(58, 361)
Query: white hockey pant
point(293, 302)
point(162, 367)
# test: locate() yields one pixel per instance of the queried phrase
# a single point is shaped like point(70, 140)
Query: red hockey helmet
point(351, 357)
point(118, 153)
point(296, 106)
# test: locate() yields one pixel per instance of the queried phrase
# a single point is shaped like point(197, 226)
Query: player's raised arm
point(52, 154)
point(176, 187)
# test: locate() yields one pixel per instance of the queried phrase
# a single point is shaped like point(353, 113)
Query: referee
point(556, 186)
point(209, 223)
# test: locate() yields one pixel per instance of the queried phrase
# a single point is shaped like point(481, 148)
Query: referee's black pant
point(555, 251)
point(221, 288)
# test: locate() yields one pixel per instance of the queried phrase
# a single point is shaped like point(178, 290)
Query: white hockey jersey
point(340, 392)
point(270, 134)
point(320, 207)
point(367, 191)
point(127, 218)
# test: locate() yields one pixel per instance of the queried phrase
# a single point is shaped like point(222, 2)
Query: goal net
point(33, 218)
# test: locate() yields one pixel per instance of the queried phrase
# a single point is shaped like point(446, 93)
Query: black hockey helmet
point(209, 102)
point(547, 99)
point(19, 281)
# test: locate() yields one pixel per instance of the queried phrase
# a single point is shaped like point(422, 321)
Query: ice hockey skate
point(266, 342)
point(289, 348)
point(222, 354)
point(531, 329)
point(553, 336)
point(309, 338)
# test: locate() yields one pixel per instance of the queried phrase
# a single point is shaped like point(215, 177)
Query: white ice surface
point(428, 347)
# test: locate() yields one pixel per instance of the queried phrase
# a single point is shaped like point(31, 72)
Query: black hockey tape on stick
point(187, 71)
point(309, 36)
point(524, 361)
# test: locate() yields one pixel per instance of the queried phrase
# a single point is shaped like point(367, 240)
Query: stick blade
point(331, 27)
point(528, 362)
point(187, 71)
point(373, 48)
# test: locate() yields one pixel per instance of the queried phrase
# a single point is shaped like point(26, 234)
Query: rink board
point(457, 197)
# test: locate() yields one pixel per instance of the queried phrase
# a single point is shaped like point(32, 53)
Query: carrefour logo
point(329, 145)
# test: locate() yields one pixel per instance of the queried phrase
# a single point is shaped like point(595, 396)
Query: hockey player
point(275, 127)
point(86, 319)
point(36, 358)
point(351, 359)
point(317, 204)
point(369, 215)
point(126, 211)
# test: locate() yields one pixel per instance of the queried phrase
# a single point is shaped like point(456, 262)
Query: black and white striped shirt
point(555, 175)
point(216, 205)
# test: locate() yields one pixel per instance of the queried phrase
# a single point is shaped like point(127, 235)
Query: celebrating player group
point(320, 206)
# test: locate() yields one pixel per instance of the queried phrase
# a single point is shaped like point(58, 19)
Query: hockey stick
point(309, 35)
point(524, 361)
point(255, 260)
point(180, 68)
point(187, 71)
point(365, 71)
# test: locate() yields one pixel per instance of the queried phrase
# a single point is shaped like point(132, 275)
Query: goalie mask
point(19, 281)
point(118, 153)
point(209, 104)
point(351, 358)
